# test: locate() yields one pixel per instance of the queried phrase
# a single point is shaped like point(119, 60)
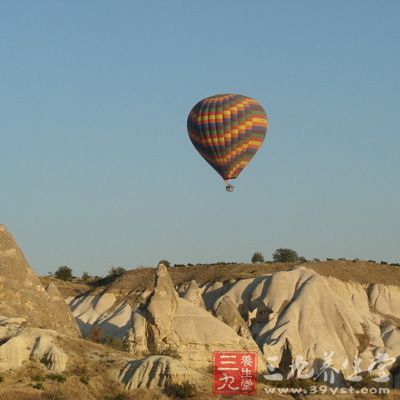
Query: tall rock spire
point(22, 295)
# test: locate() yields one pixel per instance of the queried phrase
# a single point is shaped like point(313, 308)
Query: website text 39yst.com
point(327, 390)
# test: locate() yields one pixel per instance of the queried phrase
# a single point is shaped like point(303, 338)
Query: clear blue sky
point(96, 166)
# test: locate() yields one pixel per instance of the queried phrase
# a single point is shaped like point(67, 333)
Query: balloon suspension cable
point(229, 187)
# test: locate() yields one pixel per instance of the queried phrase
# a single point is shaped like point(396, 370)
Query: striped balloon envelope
point(227, 130)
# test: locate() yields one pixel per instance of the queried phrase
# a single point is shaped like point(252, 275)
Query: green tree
point(285, 255)
point(85, 276)
point(64, 273)
point(116, 271)
point(165, 262)
point(257, 258)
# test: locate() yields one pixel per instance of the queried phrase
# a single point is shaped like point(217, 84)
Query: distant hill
point(138, 279)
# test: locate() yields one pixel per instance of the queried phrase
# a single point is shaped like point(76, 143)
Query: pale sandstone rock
point(22, 295)
point(22, 343)
point(312, 315)
point(289, 313)
point(161, 307)
point(212, 291)
point(226, 310)
point(136, 337)
point(194, 295)
point(196, 334)
point(385, 299)
point(115, 323)
point(88, 309)
point(156, 372)
point(172, 322)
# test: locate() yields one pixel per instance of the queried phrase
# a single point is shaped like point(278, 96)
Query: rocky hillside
point(22, 294)
point(286, 313)
point(151, 332)
point(358, 271)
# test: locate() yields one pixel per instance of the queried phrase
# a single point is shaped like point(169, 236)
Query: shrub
point(38, 386)
point(181, 391)
point(316, 260)
point(85, 276)
point(292, 382)
point(302, 259)
point(367, 382)
point(179, 265)
point(165, 262)
point(171, 352)
point(384, 262)
point(115, 343)
point(285, 255)
point(57, 377)
point(38, 378)
point(64, 273)
point(116, 271)
point(257, 258)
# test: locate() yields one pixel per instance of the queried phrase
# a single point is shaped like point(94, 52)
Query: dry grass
point(66, 288)
point(140, 279)
point(360, 271)
point(9, 394)
point(91, 361)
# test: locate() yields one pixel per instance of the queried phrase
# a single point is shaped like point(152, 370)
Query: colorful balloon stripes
point(227, 130)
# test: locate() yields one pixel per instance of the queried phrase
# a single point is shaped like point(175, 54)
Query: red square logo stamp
point(234, 372)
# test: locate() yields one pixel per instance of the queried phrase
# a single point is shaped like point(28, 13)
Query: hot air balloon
point(227, 130)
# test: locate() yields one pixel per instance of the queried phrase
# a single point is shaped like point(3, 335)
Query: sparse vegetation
point(181, 391)
point(257, 258)
point(285, 255)
point(179, 265)
point(384, 262)
point(165, 262)
point(85, 276)
point(83, 374)
point(116, 271)
point(292, 383)
point(64, 273)
point(57, 377)
point(38, 378)
point(367, 382)
point(38, 385)
point(171, 352)
point(55, 394)
point(115, 343)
